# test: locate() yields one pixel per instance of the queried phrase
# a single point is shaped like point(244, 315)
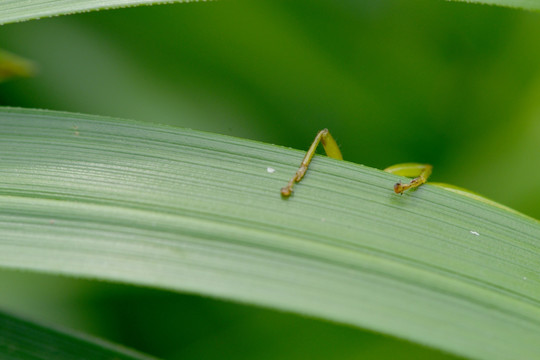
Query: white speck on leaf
point(475, 233)
point(524, 278)
point(270, 170)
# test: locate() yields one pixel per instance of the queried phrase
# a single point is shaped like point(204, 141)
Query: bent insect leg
point(420, 172)
point(330, 147)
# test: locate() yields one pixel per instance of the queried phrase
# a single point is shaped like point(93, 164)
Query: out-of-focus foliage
point(449, 83)
point(14, 66)
point(24, 340)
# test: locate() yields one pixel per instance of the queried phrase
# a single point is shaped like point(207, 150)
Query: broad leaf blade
point(17, 10)
point(197, 212)
point(23, 340)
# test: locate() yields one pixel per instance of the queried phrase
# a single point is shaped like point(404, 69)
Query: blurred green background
point(451, 84)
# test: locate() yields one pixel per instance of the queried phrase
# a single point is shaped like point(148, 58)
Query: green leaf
point(197, 212)
point(17, 10)
point(21, 340)
point(520, 4)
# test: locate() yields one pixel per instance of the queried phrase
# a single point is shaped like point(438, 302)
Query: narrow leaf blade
point(17, 10)
point(520, 4)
